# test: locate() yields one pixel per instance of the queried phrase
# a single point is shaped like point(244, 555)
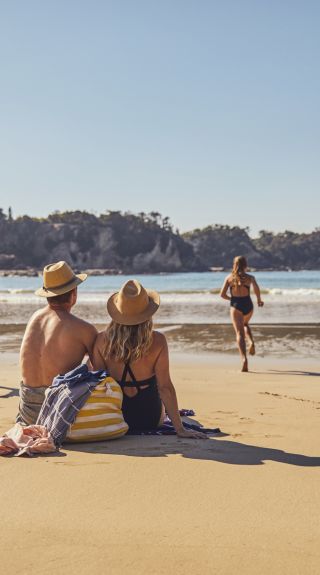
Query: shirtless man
point(55, 341)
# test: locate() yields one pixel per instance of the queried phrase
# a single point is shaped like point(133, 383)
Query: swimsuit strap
point(127, 370)
point(134, 383)
point(244, 285)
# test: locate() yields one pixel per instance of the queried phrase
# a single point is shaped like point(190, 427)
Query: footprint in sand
point(302, 399)
point(76, 464)
point(226, 412)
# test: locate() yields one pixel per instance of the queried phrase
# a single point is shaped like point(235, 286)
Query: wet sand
point(246, 502)
point(276, 340)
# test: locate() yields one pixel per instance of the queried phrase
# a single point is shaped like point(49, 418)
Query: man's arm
point(98, 361)
point(89, 337)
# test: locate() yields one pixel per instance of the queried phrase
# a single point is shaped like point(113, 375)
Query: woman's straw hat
point(133, 304)
point(59, 279)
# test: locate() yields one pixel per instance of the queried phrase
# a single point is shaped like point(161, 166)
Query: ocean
point(191, 311)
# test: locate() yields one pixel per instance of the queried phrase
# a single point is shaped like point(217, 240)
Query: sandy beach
point(160, 191)
point(244, 502)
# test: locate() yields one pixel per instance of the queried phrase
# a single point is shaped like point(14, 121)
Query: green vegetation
point(145, 243)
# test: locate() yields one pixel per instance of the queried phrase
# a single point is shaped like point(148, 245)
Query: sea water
point(290, 297)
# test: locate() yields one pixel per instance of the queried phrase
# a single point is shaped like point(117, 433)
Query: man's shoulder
point(83, 325)
point(38, 315)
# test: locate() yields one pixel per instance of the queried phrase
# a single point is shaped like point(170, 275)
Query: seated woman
point(137, 357)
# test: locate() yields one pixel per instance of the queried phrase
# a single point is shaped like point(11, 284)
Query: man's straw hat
point(59, 279)
point(133, 304)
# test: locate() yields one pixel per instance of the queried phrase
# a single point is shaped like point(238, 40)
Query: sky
point(206, 111)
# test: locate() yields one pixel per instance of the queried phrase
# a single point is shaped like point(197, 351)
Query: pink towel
point(20, 440)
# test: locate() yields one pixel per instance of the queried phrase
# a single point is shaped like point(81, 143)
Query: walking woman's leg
point(238, 324)
point(248, 333)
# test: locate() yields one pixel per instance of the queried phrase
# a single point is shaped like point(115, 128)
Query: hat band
point(61, 285)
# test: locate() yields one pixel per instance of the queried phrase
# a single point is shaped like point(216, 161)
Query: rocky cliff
point(145, 243)
point(133, 244)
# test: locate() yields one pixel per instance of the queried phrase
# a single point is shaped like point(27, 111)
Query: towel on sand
point(26, 440)
point(167, 428)
point(36, 439)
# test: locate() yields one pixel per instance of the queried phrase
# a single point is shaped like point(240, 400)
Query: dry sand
point(246, 502)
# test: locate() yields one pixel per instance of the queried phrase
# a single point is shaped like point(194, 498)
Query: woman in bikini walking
point(238, 283)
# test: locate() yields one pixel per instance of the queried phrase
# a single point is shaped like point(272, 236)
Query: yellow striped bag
point(101, 416)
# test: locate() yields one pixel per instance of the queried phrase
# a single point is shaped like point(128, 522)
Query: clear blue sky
point(204, 110)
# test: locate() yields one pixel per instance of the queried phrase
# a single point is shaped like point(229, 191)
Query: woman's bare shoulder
point(159, 339)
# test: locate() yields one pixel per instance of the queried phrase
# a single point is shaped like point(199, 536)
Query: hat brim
point(125, 319)
point(52, 292)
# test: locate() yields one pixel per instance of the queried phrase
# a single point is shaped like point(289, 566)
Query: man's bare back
point(55, 341)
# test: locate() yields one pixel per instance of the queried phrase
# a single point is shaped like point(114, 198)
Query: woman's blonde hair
point(128, 342)
point(239, 270)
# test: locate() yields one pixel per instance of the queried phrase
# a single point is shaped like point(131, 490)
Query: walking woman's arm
point(256, 290)
point(168, 394)
point(224, 289)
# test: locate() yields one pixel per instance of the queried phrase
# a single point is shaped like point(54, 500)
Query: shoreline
point(216, 361)
point(96, 272)
point(272, 340)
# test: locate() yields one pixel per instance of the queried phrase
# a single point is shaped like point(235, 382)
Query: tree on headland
point(155, 217)
point(218, 245)
point(146, 242)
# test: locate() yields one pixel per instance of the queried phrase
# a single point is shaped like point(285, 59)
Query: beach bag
point(101, 417)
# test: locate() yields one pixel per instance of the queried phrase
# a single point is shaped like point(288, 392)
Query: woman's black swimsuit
point(143, 410)
point(242, 303)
